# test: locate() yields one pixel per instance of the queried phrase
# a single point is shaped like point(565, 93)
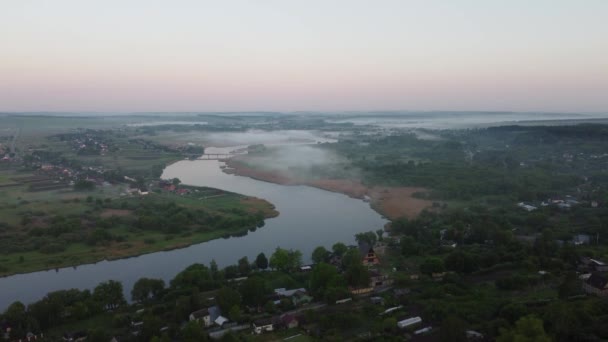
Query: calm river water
point(309, 217)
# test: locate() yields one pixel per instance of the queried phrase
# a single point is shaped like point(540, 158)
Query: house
point(290, 321)
point(207, 316)
point(182, 191)
point(594, 265)
point(283, 292)
point(368, 255)
point(378, 279)
point(263, 325)
point(597, 284)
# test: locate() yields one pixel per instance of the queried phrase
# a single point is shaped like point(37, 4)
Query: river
point(309, 217)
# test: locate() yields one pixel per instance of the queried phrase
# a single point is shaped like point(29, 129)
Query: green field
point(132, 241)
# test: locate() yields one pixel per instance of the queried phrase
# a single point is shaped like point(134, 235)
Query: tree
point(570, 286)
point(196, 275)
point(339, 249)
point(324, 277)
point(235, 313)
point(351, 257)
point(176, 181)
point(527, 329)
point(84, 185)
point(109, 294)
point(193, 332)
point(320, 254)
point(513, 312)
point(146, 288)
point(380, 233)
point(227, 298)
point(150, 328)
point(409, 246)
point(285, 260)
point(270, 307)
point(244, 266)
point(357, 275)
point(367, 237)
point(261, 261)
point(16, 316)
point(432, 265)
point(461, 262)
point(253, 291)
point(213, 268)
point(453, 329)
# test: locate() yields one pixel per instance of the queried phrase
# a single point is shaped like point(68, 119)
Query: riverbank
point(133, 243)
point(391, 202)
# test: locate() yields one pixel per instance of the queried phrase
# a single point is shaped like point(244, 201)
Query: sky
point(307, 55)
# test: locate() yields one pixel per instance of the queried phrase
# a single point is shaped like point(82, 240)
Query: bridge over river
point(218, 156)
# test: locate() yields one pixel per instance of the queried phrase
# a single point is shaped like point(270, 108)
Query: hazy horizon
point(278, 56)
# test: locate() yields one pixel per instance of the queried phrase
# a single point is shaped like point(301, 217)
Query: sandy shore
point(392, 202)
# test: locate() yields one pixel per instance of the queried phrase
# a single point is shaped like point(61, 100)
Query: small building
point(377, 300)
point(423, 330)
point(368, 255)
point(526, 207)
point(409, 322)
point(345, 300)
point(391, 310)
point(306, 268)
point(360, 290)
point(262, 325)
point(73, 337)
point(448, 243)
point(474, 335)
point(220, 320)
point(581, 239)
point(596, 284)
point(401, 292)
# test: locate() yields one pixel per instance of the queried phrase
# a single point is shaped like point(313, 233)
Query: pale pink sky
point(283, 55)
